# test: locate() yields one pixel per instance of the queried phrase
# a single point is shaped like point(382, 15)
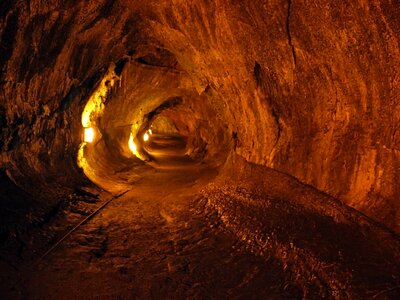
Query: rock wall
point(310, 89)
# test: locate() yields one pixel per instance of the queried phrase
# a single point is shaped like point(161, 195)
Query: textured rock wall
point(53, 58)
point(312, 89)
point(308, 88)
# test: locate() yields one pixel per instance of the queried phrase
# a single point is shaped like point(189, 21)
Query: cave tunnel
point(210, 149)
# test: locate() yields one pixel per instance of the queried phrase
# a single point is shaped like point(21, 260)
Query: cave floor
point(185, 233)
point(160, 240)
point(155, 245)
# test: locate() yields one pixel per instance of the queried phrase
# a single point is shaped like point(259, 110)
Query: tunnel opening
point(136, 101)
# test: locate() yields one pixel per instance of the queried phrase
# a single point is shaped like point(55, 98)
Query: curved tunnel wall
point(127, 107)
point(311, 90)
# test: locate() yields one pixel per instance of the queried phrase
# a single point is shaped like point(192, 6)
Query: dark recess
point(257, 74)
point(169, 103)
point(5, 7)
point(119, 66)
point(159, 58)
point(7, 39)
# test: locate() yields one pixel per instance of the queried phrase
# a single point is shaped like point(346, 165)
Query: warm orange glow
point(88, 135)
point(146, 137)
point(95, 105)
point(150, 131)
point(132, 145)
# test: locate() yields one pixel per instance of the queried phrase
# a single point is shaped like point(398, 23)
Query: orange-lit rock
point(308, 89)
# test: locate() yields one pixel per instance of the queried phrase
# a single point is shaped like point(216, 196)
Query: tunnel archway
point(150, 92)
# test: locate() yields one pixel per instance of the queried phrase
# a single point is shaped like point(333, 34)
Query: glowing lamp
point(88, 135)
point(146, 137)
point(150, 131)
point(132, 145)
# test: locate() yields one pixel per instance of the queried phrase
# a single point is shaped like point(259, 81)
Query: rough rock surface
point(253, 238)
point(303, 89)
point(310, 89)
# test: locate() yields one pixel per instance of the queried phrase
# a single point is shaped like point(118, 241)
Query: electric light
point(150, 131)
point(132, 145)
point(146, 137)
point(88, 135)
